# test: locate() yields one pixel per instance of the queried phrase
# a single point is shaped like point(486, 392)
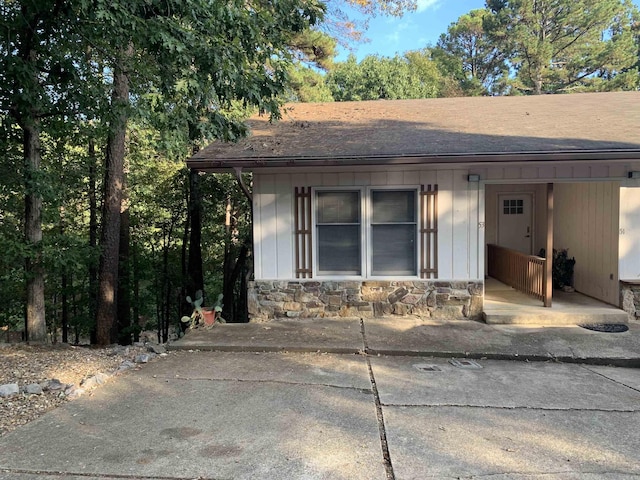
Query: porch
point(505, 305)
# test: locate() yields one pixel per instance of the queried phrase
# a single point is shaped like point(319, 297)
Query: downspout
point(238, 173)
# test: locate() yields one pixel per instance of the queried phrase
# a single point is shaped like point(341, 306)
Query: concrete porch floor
point(505, 305)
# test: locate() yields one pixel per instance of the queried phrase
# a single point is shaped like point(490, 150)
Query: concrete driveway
point(243, 415)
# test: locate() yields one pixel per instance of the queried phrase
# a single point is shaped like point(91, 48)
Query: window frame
point(366, 233)
point(316, 242)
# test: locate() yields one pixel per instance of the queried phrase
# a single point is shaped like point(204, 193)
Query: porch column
point(548, 276)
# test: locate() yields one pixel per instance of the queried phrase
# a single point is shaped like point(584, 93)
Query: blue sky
point(414, 30)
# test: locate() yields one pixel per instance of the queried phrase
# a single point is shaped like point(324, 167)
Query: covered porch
point(506, 305)
point(524, 221)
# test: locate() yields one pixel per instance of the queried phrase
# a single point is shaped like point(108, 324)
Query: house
point(404, 207)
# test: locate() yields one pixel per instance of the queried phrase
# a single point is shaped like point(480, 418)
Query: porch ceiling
point(591, 126)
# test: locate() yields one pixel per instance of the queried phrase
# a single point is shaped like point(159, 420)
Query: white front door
point(515, 229)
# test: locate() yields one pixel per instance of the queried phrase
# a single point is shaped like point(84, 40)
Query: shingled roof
point(470, 129)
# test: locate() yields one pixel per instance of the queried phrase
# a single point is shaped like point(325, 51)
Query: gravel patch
point(46, 376)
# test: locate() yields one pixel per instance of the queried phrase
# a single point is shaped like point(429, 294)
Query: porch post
point(548, 276)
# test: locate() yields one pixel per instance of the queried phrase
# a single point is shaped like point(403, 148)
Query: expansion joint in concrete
point(110, 476)
point(388, 466)
point(553, 474)
point(612, 380)
point(502, 407)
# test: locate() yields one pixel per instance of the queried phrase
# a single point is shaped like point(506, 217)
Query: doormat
point(606, 327)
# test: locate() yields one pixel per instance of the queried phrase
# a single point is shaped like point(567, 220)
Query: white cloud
point(396, 34)
point(393, 37)
point(425, 4)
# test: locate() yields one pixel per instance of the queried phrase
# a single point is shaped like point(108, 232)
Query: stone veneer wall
point(437, 299)
point(630, 298)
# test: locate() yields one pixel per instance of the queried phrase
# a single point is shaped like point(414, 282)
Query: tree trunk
point(159, 310)
point(75, 300)
point(243, 303)
point(124, 282)
point(227, 268)
point(136, 295)
point(52, 324)
point(64, 319)
point(167, 285)
point(113, 187)
point(195, 275)
point(185, 308)
point(35, 322)
point(93, 238)
point(64, 316)
point(234, 269)
point(537, 84)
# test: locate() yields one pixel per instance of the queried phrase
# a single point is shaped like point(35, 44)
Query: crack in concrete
point(544, 474)
point(51, 473)
point(498, 407)
point(611, 379)
point(386, 456)
point(257, 380)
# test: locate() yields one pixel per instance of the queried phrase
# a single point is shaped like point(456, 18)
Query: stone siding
point(455, 300)
point(630, 298)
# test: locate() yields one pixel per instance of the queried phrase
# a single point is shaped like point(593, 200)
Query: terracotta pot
point(209, 317)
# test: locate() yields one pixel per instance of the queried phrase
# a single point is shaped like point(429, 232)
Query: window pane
point(338, 207)
point(393, 206)
point(339, 249)
point(394, 249)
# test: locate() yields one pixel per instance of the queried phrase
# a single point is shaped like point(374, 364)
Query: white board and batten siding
point(586, 224)
point(629, 240)
point(555, 173)
point(460, 241)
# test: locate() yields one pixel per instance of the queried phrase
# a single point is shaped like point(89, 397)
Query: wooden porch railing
point(526, 273)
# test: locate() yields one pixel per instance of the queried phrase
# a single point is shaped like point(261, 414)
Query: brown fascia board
point(220, 165)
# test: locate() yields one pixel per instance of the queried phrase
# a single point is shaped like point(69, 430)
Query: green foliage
point(564, 45)
point(314, 47)
point(388, 7)
point(511, 47)
point(467, 54)
point(198, 317)
point(562, 268)
point(196, 303)
point(378, 77)
point(307, 85)
point(195, 69)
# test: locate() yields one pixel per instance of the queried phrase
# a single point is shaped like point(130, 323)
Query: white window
point(338, 222)
point(393, 232)
point(366, 232)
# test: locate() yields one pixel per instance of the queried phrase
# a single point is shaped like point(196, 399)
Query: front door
point(515, 229)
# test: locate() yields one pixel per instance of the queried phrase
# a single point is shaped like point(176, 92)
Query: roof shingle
point(443, 126)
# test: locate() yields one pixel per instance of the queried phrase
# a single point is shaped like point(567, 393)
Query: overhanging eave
point(220, 165)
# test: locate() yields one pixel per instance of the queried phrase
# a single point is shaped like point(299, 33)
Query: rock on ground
point(40, 375)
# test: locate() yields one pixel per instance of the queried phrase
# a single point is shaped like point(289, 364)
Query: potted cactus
point(207, 317)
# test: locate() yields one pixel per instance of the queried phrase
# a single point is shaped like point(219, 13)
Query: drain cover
point(470, 364)
point(606, 327)
point(425, 367)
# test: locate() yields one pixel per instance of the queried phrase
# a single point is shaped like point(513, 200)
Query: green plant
point(201, 316)
point(562, 268)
